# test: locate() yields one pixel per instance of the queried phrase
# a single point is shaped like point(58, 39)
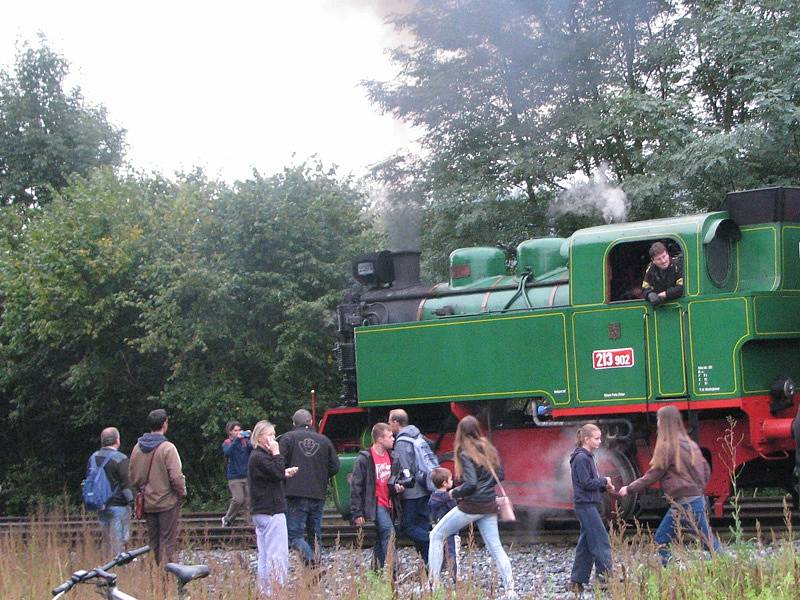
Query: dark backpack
point(96, 487)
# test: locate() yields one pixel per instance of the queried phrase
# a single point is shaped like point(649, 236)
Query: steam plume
point(595, 195)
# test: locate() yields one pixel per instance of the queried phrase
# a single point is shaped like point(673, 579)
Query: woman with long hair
point(477, 463)
point(266, 472)
point(680, 467)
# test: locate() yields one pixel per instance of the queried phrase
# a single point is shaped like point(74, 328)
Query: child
point(594, 547)
point(439, 505)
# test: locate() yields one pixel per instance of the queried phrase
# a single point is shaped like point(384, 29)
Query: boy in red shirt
point(369, 490)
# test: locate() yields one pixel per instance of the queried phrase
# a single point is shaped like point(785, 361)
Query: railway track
point(204, 529)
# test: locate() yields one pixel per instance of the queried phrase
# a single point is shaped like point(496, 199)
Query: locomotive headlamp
point(374, 270)
point(782, 392)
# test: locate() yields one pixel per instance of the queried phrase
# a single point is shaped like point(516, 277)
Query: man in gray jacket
point(414, 521)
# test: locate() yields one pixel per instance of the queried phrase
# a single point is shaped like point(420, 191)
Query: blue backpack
point(96, 487)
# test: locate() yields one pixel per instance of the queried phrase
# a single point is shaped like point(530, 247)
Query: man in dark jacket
point(663, 278)
point(115, 518)
point(236, 448)
point(370, 498)
point(315, 457)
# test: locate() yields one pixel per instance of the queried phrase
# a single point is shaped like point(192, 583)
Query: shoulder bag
point(504, 506)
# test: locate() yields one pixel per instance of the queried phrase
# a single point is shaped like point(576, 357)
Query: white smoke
point(594, 195)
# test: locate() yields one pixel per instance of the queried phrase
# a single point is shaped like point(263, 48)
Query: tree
point(678, 101)
point(70, 285)
point(126, 294)
point(46, 132)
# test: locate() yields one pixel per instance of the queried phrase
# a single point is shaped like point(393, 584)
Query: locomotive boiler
point(566, 339)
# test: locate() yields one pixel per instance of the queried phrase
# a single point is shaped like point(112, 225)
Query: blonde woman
point(594, 547)
point(680, 467)
point(266, 473)
point(475, 459)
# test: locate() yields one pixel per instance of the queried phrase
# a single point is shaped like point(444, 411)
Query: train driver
point(663, 278)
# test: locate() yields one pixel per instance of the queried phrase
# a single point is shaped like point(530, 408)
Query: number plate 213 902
point(618, 358)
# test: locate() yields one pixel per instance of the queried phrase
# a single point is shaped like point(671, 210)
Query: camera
point(245, 434)
point(404, 478)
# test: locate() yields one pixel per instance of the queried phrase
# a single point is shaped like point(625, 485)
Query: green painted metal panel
point(776, 315)
point(341, 482)
point(670, 376)
point(600, 379)
point(790, 257)
point(716, 329)
point(764, 360)
point(758, 258)
point(470, 358)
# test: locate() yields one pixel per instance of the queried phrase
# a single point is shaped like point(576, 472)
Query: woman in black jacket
point(475, 459)
point(266, 473)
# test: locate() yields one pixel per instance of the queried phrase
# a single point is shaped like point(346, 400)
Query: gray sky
point(228, 86)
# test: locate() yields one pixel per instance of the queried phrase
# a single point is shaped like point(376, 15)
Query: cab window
point(626, 265)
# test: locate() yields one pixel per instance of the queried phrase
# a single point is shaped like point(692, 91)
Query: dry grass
point(33, 562)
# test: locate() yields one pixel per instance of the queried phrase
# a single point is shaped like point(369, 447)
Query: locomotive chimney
point(406, 268)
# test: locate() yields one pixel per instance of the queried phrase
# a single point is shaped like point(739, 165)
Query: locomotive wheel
point(618, 466)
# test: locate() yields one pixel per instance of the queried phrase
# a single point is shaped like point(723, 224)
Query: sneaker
point(575, 587)
point(225, 523)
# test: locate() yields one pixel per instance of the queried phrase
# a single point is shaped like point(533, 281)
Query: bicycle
point(106, 582)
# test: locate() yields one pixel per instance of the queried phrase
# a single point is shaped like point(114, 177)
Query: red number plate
point(619, 358)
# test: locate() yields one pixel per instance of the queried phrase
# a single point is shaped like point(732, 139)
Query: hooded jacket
point(587, 485)
point(166, 486)
point(675, 485)
point(406, 459)
point(314, 456)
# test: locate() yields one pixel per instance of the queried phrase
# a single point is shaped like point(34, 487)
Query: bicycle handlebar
point(123, 558)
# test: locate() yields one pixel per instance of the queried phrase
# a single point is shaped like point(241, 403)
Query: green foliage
point(212, 301)
point(47, 133)
point(679, 100)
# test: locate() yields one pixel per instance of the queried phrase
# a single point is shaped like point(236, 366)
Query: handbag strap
point(497, 479)
point(147, 479)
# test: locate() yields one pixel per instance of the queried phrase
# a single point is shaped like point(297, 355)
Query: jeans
point(272, 541)
point(384, 533)
point(594, 547)
point(451, 550)
point(416, 523)
point(239, 495)
point(116, 523)
point(693, 519)
point(304, 522)
point(455, 521)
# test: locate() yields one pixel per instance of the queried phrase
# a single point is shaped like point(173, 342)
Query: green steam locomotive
point(567, 338)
